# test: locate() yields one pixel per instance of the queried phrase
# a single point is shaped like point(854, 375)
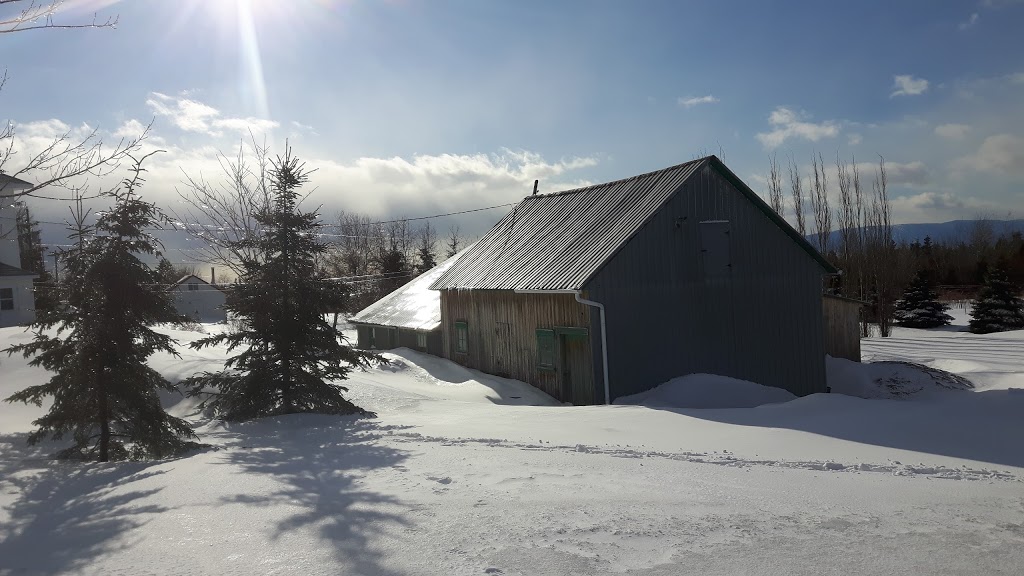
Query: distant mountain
point(944, 232)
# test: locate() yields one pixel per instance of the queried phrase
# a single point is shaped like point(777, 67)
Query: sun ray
point(253, 85)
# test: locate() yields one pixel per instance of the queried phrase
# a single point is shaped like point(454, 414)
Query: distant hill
point(944, 232)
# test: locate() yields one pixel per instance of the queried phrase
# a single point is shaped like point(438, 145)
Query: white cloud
point(970, 22)
point(854, 139)
point(787, 124)
point(697, 100)
point(131, 128)
point(194, 116)
point(952, 131)
point(907, 85)
point(1002, 153)
point(1016, 78)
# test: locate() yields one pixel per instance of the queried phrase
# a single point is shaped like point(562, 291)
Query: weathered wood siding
point(502, 335)
point(376, 337)
point(842, 327)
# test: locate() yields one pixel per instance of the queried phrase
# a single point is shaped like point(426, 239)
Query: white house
point(17, 300)
point(199, 300)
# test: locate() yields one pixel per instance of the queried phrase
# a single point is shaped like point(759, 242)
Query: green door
point(574, 365)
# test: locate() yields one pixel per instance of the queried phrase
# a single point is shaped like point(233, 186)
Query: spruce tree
point(167, 272)
point(920, 307)
point(997, 307)
point(97, 341)
point(289, 354)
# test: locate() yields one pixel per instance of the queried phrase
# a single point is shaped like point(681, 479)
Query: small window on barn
point(714, 247)
point(546, 349)
point(6, 298)
point(461, 338)
point(193, 286)
point(421, 339)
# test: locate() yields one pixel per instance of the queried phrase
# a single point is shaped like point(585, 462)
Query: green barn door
point(577, 386)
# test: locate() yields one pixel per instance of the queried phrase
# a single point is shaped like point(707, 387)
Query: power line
point(225, 228)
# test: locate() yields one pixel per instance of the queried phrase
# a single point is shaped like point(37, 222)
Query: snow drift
point(708, 391)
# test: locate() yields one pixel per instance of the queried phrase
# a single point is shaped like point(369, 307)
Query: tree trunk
point(104, 420)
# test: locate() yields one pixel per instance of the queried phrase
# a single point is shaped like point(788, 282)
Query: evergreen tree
point(394, 268)
point(33, 258)
point(997, 307)
point(290, 353)
point(97, 342)
point(425, 251)
point(920, 307)
point(166, 271)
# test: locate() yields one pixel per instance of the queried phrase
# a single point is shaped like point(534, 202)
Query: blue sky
point(412, 107)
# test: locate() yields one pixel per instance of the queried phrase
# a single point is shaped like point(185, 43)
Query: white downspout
point(604, 331)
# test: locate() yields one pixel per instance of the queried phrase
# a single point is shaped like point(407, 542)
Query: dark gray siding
point(667, 317)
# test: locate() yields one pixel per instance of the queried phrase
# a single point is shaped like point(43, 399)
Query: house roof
point(188, 277)
point(12, 183)
point(560, 241)
point(8, 270)
point(414, 305)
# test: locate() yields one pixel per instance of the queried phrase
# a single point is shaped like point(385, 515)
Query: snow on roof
point(414, 305)
point(189, 277)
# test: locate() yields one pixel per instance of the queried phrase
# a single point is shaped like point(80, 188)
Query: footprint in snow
point(445, 480)
point(493, 571)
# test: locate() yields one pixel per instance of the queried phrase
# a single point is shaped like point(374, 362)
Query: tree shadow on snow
point(320, 463)
point(67, 514)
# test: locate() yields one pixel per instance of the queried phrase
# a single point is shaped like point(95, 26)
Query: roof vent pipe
point(535, 184)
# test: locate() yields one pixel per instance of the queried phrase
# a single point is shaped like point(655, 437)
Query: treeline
point(379, 257)
point(852, 200)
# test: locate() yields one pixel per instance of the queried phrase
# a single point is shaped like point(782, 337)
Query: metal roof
point(559, 241)
point(414, 305)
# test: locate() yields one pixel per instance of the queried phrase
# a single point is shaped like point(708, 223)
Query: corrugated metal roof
point(414, 305)
point(558, 241)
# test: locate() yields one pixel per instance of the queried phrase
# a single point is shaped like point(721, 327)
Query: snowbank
point(890, 379)
point(708, 391)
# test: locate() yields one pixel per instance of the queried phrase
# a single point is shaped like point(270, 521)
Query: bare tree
point(847, 218)
point(881, 251)
point(454, 242)
point(820, 204)
point(221, 217)
point(796, 190)
point(67, 161)
point(775, 186)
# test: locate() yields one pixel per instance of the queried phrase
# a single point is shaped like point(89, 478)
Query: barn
point(609, 290)
point(198, 299)
point(409, 317)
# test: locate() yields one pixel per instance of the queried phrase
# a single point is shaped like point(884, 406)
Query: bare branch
point(796, 189)
point(221, 218)
point(36, 15)
point(64, 161)
point(775, 186)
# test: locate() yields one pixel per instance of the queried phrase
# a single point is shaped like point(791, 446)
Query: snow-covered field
point(463, 473)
